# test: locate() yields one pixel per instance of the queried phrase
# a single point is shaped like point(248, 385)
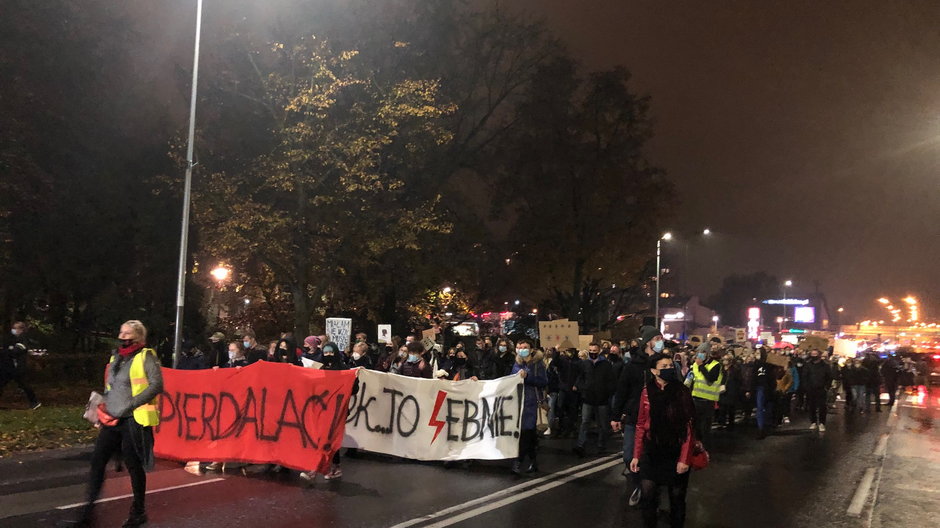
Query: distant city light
point(667, 236)
point(707, 231)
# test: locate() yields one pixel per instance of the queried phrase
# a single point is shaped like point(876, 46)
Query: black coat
point(817, 375)
point(629, 388)
point(13, 354)
point(596, 382)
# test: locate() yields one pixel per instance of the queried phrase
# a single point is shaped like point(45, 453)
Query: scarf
point(127, 352)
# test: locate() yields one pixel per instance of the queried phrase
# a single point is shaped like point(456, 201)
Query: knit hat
point(647, 333)
point(312, 342)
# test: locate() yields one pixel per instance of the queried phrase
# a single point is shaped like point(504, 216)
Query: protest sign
point(740, 335)
point(555, 333)
point(385, 333)
point(778, 359)
point(265, 413)
point(428, 338)
point(338, 330)
point(767, 337)
point(584, 341)
point(427, 419)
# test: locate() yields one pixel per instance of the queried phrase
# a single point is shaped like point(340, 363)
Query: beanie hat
point(647, 334)
point(312, 342)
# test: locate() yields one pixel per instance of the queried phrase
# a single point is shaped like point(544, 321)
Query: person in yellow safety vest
point(707, 379)
point(126, 419)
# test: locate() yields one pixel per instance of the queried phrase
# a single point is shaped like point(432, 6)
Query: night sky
point(805, 134)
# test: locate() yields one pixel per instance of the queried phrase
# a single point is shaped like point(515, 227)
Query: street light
point(786, 284)
point(187, 192)
point(221, 273)
point(446, 290)
point(707, 231)
point(659, 275)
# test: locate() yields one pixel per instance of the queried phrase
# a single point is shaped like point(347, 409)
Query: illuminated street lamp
point(786, 284)
point(659, 269)
point(715, 323)
point(221, 273)
point(706, 231)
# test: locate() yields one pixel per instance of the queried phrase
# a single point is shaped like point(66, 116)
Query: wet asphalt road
point(794, 478)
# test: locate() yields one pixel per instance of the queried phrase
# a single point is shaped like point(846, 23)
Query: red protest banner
point(263, 413)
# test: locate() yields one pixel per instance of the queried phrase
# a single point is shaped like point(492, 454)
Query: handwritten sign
point(265, 413)
point(554, 333)
point(425, 419)
point(385, 333)
point(338, 330)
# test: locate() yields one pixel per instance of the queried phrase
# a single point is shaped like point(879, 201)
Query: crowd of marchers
point(661, 399)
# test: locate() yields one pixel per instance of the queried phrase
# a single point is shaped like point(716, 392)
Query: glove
point(104, 418)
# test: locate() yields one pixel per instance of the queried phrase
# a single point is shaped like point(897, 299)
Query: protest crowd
point(658, 401)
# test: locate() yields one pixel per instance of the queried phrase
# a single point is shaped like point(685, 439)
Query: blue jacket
point(536, 378)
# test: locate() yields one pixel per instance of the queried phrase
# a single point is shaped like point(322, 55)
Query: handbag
point(700, 457)
point(91, 408)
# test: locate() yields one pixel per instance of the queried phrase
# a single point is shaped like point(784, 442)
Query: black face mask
point(593, 355)
point(460, 361)
point(668, 375)
point(127, 342)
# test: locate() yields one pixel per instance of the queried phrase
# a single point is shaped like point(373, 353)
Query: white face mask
point(356, 356)
point(14, 331)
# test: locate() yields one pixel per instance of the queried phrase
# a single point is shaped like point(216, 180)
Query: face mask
point(668, 374)
point(460, 361)
point(412, 358)
point(593, 355)
point(658, 346)
point(402, 354)
point(231, 355)
point(522, 352)
point(700, 355)
point(502, 348)
point(127, 342)
point(14, 331)
point(246, 344)
point(356, 356)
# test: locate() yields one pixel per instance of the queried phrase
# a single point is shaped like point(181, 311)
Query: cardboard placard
point(584, 341)
point(338, 330)
point(740, 335)
point(555, 333)
point(385, 333)
point(778, 360)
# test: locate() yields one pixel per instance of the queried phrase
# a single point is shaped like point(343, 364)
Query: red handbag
point(699, 458)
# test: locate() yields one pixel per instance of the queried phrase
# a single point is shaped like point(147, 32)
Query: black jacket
point(817, 375)
point(13, 354)
point(630, 385)
point(596, 382)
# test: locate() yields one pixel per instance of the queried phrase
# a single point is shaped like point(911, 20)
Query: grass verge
point(45, 428)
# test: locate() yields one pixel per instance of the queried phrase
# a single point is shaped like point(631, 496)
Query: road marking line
point(882, 448)
point(919, 489)
point(861, 494)
point(524, 495)
point(613, 460)
point(109, 499)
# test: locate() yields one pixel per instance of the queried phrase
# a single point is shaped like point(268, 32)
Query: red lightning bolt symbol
point(434, 422)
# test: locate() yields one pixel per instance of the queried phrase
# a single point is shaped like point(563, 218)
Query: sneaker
point(813, 426)
point(34, 407)
point(548, 432)
point(135, 520)
point(215, 466)
point(533, 468)
point(786, 420)
point(334, 473)
point(635, 497)
point(308, 476)
point(822, 428)
point(516, 468)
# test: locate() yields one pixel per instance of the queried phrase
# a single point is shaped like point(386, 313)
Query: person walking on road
point(873, 380)
point(13, 362)
point(663, 441)
point(595, 384)
point(706, 386)
point(332, 360)
point(817, 377)
point(127, 417)
point(626, 406)
point(529, 366)
point(890, 373)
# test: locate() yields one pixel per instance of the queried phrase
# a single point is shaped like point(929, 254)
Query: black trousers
point(16, 377)
point(528, 445)
point(816, 399)
point(704, 416)
point(677, 487)
point(113, 440)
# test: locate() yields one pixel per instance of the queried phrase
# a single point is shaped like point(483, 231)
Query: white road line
point(109, 499)
point(510, 491)
point(524, 495)
point(861, 494)
point(882, 446)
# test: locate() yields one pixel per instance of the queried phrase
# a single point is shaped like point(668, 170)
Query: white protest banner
point(385, 333)
point(338, 330)
point(425, 419)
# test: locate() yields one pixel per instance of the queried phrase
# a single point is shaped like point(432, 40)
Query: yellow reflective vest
point(700, 386)
point(146, 414)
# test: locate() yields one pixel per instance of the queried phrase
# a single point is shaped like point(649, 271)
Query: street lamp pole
point(659, 268)
point(187, 192)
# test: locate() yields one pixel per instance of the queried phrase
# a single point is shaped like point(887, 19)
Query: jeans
point(858, 397)
point(629, 437)
point(552, 408)
point(765, 407)
point(589, 412)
